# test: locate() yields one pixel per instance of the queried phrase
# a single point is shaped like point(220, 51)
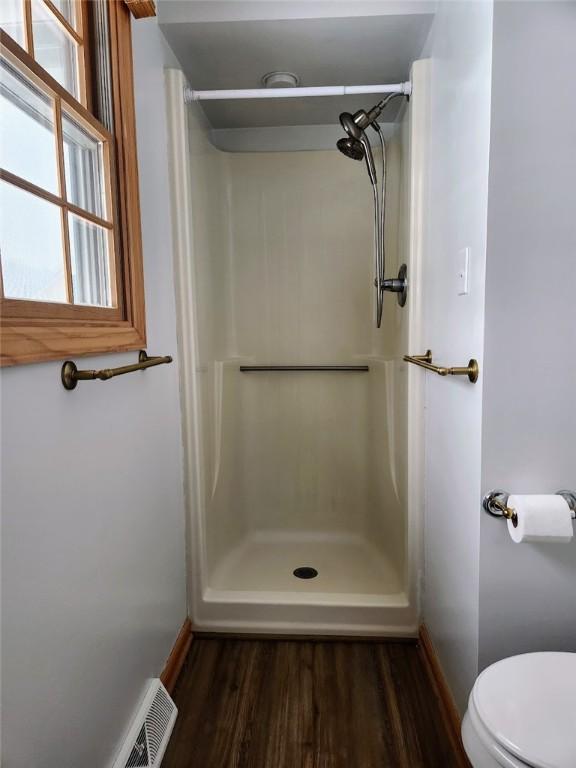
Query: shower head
point(358, 149)
point(350, 147)
point(355, 124)
point(357, 145)
point(348, 122)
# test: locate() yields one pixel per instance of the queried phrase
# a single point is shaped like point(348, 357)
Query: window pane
point(90, 263)
point(31, 246)
point(12, 19)
point(84, 168)
point(54, 49)
point(27, 143)
point(68, 9)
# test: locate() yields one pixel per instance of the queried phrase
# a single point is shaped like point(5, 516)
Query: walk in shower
point(302, 450)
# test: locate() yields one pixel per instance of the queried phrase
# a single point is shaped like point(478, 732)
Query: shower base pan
point(357, 589)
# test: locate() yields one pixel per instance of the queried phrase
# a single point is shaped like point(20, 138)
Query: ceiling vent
point(149, 734)
point(280, 80)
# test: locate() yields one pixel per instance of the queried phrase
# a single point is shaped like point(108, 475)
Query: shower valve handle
point(397, 285)
point(393, 284)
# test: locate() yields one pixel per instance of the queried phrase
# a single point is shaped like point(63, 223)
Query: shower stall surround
point(296, 469)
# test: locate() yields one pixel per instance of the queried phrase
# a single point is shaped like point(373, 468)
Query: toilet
point(522, 713)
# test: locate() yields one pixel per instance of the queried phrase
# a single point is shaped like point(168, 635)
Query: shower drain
point(305, 572)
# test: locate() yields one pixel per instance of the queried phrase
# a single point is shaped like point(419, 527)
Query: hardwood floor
point(301, 704)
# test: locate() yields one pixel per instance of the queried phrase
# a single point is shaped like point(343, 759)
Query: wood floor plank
point(397, 732)
point(426, 739)
point(301, 704)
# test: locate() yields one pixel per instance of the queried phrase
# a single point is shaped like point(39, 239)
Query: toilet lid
point(528, 704)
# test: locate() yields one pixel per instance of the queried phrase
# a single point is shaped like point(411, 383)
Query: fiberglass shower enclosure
point(275, 266)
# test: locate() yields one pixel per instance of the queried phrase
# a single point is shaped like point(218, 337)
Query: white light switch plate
point(463, 271)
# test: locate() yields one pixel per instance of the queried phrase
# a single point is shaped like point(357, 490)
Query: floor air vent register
point(150, 731)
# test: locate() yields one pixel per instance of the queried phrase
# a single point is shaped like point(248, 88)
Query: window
point(70, 247)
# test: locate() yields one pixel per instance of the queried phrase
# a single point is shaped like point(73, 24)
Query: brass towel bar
point(71, 375)
point(425, 361)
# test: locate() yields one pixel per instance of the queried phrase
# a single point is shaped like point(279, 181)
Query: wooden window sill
point(51, 340)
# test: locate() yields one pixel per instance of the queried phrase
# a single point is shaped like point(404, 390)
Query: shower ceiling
point(232, 45)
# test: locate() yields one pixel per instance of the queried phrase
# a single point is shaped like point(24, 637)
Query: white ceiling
point(176, 11)
point(353, 50)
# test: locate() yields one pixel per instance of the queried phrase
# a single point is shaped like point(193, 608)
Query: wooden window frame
point(40, 331)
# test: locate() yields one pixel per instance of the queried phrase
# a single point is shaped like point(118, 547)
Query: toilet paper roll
point(545, 518)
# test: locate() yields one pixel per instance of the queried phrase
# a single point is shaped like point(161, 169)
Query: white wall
point(527, 592)
point(460, 49)
point(93, 581)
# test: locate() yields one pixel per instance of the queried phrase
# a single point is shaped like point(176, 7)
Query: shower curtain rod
point(191, 95)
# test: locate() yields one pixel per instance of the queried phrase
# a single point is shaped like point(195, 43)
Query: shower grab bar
point(425, 361)
point(304, 368)
point(71, 375)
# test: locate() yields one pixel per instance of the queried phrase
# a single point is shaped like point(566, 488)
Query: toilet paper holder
point(496, 504)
